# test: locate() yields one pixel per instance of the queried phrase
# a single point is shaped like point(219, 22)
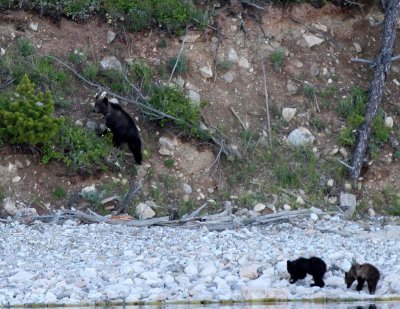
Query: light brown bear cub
point(362, 273)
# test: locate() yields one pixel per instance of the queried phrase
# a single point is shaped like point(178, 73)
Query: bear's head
point(101, 104)
point(350, 276)
point(291, 268)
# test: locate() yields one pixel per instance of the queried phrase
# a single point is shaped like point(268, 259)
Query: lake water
point(291, 305)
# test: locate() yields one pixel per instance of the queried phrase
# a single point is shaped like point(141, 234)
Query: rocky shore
point(87, 264)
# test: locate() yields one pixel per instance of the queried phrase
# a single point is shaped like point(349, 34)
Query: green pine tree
point(27, 118)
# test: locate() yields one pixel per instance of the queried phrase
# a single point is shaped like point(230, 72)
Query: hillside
point(307, 53)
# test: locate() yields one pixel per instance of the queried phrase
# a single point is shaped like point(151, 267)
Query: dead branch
point(372, 62)
point(219, 38)
point(194, 213)
point(266, 98)
point(382, 67)
point(256, 6)
point(6, 84)
point(238, 118)
point(133, 190)
point(178, 57)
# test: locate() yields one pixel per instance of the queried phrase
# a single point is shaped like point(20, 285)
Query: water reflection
point(291, 305)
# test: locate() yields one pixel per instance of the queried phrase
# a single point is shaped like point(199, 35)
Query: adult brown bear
point(121, 124)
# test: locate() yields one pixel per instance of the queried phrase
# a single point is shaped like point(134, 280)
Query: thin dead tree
point(261, 54)
point(382, 67)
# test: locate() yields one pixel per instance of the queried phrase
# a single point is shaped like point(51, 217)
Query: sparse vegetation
point(142, 74)
point(59, 192)
point(353, 110)
point(79, 149)
point(2, 194)
point(169, 163)
point(181, 66)
point(277, 57)
point(173, 102)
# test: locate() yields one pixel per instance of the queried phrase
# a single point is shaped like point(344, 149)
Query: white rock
point(149, 275)
point(187, 189)
point(288, 113)
point(343, 152)
point(21, 276)
point(348, 203)
point(189, 38)
point(88, 190)
point(191, 270)
point(394, 282)
point(249, 271)
point(110, 36)
point(228, 77)
point(206, 72)
point(291, 87)
point(334, 281)
point(88, 273)
point(10, 206)
point(300, 201)
point(110, 63)
point(260, 288)
point(300, 137)
point(312, 40)
point(116, 291)
point(143, 211)
point(314, 217)
point(330, 183)
point(2, 52)
point(34, 26)
point(166, 142)
point(259, 207)
point(371, 212)
point(389, 122)
point(165, 151)
point(332, 200)
point(357, 47)
point(233, 56)
point(244, 63)
point(209, 269)
point(287, 207)
point(194, 96)
point(16, 179)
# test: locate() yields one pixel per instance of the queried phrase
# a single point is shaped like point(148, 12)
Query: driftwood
point(382, 67)
point(217, 222)
point(133, 190)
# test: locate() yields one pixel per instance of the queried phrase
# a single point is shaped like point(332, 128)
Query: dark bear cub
point(298, 269)
point(121, 124)
point(362, 273)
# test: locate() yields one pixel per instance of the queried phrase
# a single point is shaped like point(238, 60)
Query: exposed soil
point(282, 27)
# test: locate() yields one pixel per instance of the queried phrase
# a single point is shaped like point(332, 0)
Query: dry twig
point(238, 118)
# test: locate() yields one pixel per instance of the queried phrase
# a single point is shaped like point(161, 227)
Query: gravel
point(86, 264)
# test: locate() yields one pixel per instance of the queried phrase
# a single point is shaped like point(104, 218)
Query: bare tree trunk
point(382, 66)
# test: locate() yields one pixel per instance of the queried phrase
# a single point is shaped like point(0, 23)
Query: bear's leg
point(371, 286)
point(116, 141)
point(360, 284)
point(135, 146)
point(318, 281)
